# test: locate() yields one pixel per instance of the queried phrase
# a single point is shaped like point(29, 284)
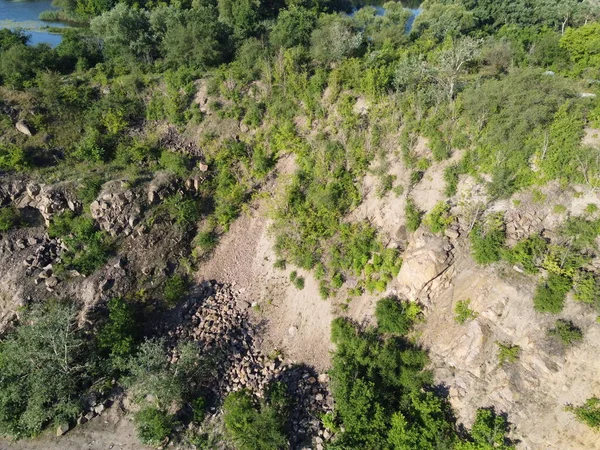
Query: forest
point(502, 91)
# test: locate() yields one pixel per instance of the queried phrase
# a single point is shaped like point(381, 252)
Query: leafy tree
point(441, 20)
point(44, 369)
point(197, 40)
point(582, 44)
point(528, 253)
point(126, 32)
point(334, 39)
point(293, 27)
point(153, 378)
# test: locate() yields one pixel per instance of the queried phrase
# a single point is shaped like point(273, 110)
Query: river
point(25, 14)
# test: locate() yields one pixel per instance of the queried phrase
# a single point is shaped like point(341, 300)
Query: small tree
point(253, 426)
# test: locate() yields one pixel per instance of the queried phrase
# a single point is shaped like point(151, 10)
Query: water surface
point(24, 14)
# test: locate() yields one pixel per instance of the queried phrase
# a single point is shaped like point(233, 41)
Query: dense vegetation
point(505, 87)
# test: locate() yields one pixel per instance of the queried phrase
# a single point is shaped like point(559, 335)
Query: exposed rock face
point(534, 390)
point(426, 258)
point(48, 199)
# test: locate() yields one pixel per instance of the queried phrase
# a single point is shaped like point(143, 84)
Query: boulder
point(23, 128)
point(425, 259)
point(62, 429)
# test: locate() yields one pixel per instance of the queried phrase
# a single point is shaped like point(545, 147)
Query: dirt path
point(109, 431)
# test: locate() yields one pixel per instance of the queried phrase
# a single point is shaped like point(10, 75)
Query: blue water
point(414, 11)
point(24, 14)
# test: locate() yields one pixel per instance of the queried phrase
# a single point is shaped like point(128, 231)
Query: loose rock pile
point(521, 225)
point(215, 319)
point(117, 212)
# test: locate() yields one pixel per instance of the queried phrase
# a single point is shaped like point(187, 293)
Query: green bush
point(175, 289)
point(252, 425)
point(119, 335)
point(175, 163)
point(462, 312)
point(13, 158)
point(566, 331)
point(439, 218)
point(508, 353)
point(487, 239)
point(9, 218)
point(185, 211)
point(395, 316)
point(588, 413)
point(587, 288)
point(528, 253)
point(550, 294)
point(413, 215)
point(88, 248)
point(153, 426)
point(152, 377)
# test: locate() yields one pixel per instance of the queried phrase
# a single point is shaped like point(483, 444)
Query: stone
point(451, 233)
point(99, 409)
point(292, 331)
point(23, 128)
point(51, 282)
point(62, 429)
point(203, 167)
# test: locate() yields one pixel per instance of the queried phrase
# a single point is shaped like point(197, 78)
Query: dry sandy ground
point(296, 322)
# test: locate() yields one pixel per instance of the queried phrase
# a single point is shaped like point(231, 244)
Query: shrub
point(324, 291)
point(153, 426)
point(13, 158)
point(550, 294)
point(175, 163)
point(9, 218)
point(90, 188)
point(395, 316)
point(175, 289)
point(462, 312)
point(587, 288)
point(279, 264)
point(120, 333)
point(487, 239)
point(253, 426)
point(588, 413)
point(299, 283)
point(508, 353)
point(206, 241)
point(566, 331)
point(413, 215)
point(152, 375)
point(439, 218)
point(528, 253)
point(185, 211)
point(88, 248)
